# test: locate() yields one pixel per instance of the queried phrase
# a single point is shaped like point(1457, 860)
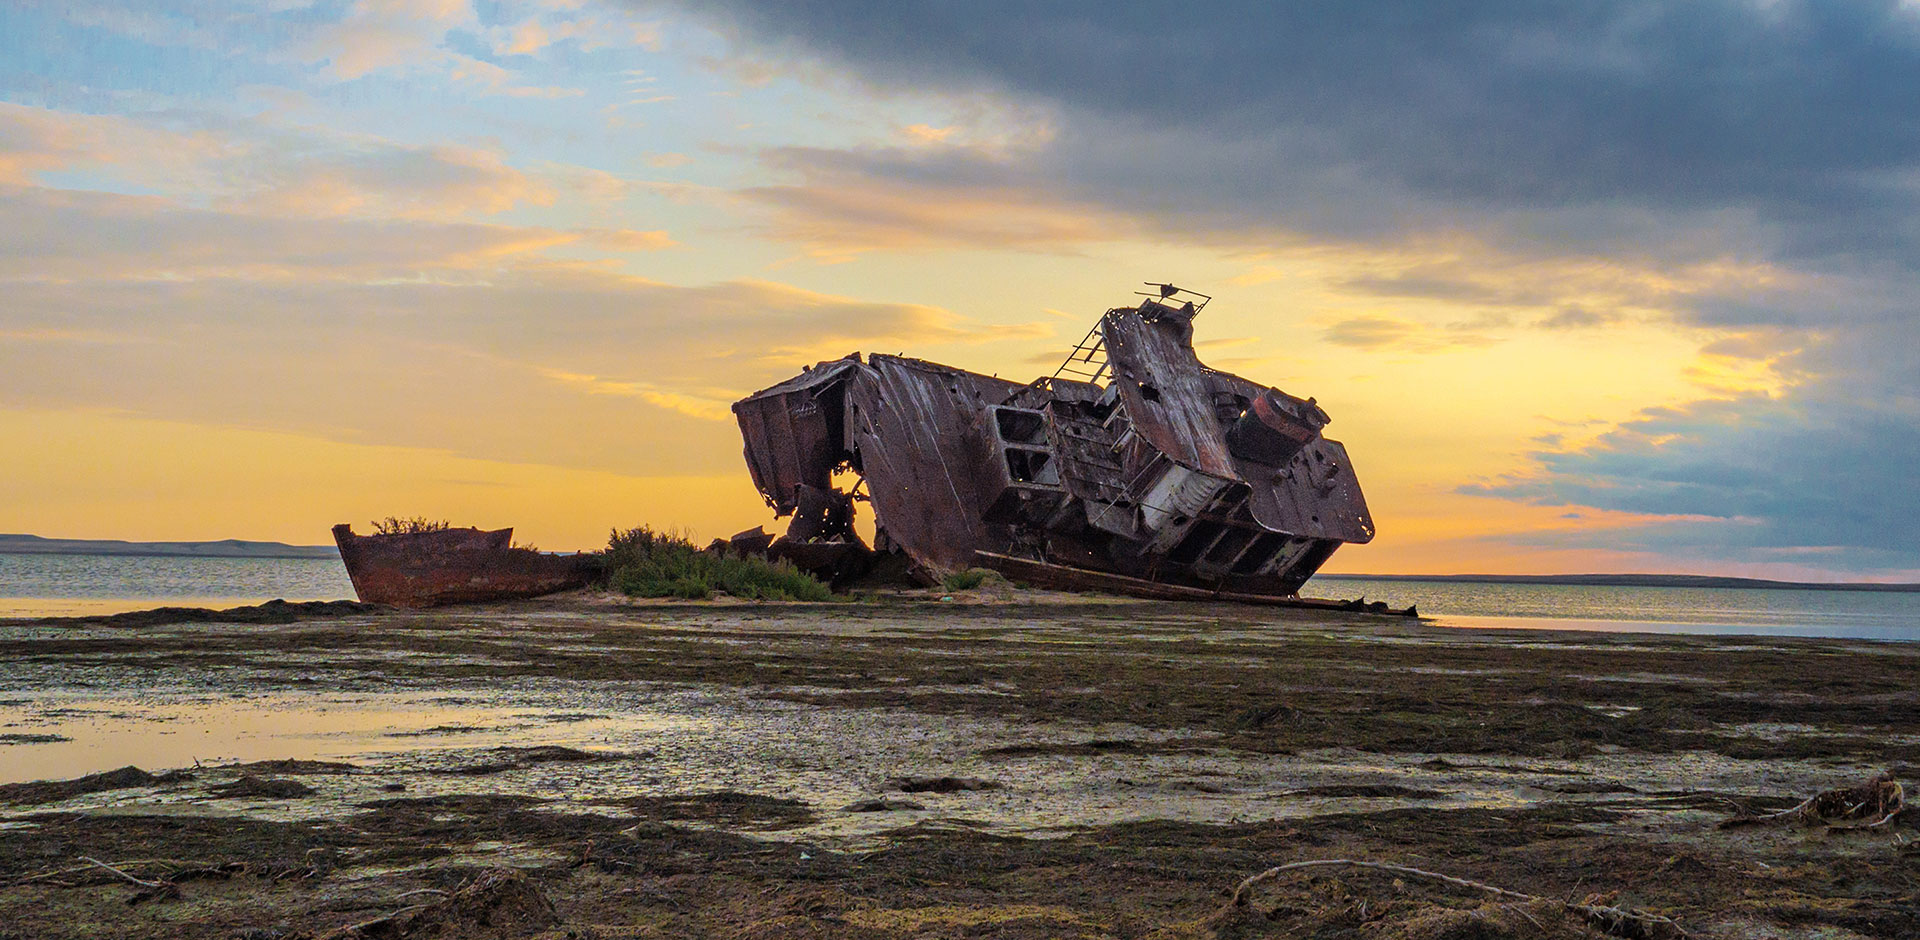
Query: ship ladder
point(1088, 360)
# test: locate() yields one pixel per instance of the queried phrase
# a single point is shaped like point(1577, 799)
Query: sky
point(1586, 286)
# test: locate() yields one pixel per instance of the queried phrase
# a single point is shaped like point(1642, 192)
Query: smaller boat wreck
point(452, 566)
point(1134, 468)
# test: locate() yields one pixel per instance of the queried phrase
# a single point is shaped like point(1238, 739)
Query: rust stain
point(450, 566)
point(1134, 467)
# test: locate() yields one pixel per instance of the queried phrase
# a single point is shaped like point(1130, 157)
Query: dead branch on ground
point(153, 889)
point(1621, 922)
point(1868, 805)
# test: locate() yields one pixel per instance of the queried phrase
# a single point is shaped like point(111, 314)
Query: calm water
point(1863, 614)
point(71, 585)
point(68, 585)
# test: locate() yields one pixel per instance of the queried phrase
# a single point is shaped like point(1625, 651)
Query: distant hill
point(225, 548)
point(1639, 580)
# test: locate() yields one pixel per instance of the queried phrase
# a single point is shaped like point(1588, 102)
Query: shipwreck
point(1133, 468)
point(453, 566)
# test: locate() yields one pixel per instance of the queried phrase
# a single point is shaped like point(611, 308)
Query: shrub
point(645, 563)
point(394, 525)
point(969, 579)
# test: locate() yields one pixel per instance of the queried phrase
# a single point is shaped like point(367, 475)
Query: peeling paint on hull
point(452, 566)
point(1134, 467)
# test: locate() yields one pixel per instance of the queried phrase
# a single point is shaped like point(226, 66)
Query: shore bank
point(1040, 766)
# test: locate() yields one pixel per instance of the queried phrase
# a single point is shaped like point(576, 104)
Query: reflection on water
point(1873, 615)
point(102, 733)
point(99, 607)
point(689, 741)
point(1856, 631)
point(79, 585)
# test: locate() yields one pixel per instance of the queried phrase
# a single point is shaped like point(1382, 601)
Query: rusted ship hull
point(1134, 468)
point(452, 566)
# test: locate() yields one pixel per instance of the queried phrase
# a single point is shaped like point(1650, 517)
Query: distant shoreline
point(14, 544)
point(1639, 580)
point(237, 548)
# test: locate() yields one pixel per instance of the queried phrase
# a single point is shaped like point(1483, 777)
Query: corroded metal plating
point(449, 566)
point(1148, 473)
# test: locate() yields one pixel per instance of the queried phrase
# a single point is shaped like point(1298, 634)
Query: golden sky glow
point(148, 480)
point(508, 264)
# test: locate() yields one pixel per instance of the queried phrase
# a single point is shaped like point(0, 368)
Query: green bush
point(965, 580)
point(971, 578)
point(645, 563)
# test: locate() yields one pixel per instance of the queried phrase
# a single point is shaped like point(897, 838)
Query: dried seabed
point(909, 769)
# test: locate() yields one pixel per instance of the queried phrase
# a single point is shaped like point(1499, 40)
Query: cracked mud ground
point(1047, 766)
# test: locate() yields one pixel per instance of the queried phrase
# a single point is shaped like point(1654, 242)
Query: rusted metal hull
point(1061, 578)
point(1135, 466)
point(452, 566)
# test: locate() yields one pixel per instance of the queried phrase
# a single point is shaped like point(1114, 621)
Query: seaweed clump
point(53, 791)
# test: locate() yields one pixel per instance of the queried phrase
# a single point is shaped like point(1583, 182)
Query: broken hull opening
point(1158, 471)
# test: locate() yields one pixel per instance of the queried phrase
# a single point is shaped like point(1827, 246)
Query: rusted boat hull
point(452, 566)
point(1061, 578)
point(1134, 464)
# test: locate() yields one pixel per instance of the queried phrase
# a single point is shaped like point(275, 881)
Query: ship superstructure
point(1134, 467)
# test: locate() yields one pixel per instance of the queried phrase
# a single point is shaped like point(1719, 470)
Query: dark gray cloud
point(1797, 112)
point(1662, 134)
point(1819, 475)
point(1822, 479)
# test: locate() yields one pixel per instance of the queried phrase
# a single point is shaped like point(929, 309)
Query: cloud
point(389, 181)
point(561, 366)
point(708, 408)
point(925, 134)
point(262, 165)
point(494, 79)
point(1574, 318)
point(349, 41)
point(1803, 449)
point(1461, 270)
point(1504, 107)
point(1715, 167)
point(149, 26)
point(1371, 332)
point(591, 30)
point(1757, 479)
point(524, 39)
point(77, 235)
point(55, 335)
point(34, 141)
point(842, 208)
point(399, 36)
point(1681, 134)
point(626, 239)
point(1378, 333)
point(376, 35)
point(456, 336)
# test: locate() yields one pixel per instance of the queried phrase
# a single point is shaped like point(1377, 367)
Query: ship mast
point(1088, 360)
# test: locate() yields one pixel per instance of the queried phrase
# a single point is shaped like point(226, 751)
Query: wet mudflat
point(1035, 766)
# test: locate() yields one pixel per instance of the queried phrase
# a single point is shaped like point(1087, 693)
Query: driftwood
point(150, 889)
point(1615, 921)
point(166, 885)
point(495, 903)
point(1868, 805)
